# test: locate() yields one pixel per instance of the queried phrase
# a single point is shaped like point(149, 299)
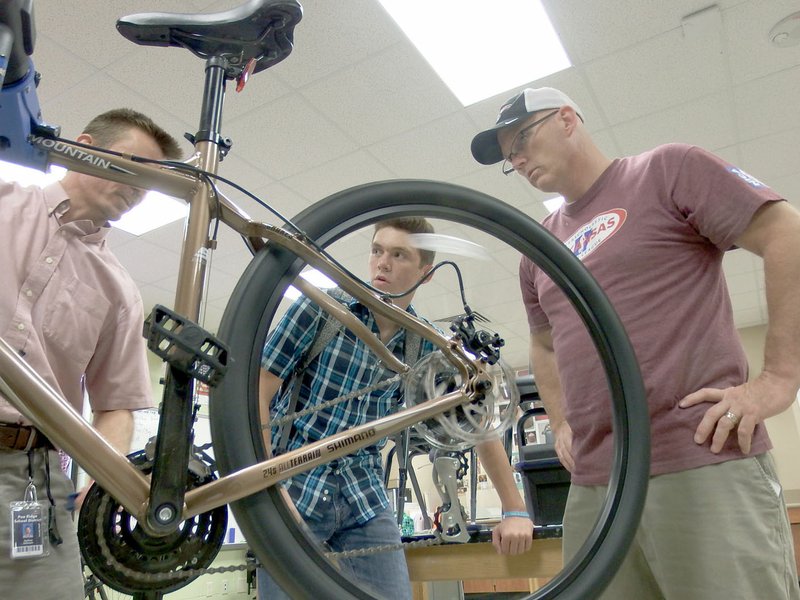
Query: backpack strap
point(329, 329)
point(412, 348)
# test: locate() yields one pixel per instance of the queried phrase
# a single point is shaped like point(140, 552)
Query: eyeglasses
point(519, 141)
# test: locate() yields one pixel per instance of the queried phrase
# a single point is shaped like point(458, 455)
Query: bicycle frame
point(51, 413)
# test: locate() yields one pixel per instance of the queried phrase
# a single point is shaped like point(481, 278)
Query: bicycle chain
point(347, 397)
point(187, 573)
point(435, 541)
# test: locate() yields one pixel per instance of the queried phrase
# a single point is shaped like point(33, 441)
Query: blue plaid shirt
point(344, 365)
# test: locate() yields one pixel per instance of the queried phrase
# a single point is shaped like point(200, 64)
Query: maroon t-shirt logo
point(589, 236)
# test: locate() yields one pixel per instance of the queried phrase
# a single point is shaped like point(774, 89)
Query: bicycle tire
point(264, 518)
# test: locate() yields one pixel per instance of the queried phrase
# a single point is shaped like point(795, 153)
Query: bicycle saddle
point(259, 29)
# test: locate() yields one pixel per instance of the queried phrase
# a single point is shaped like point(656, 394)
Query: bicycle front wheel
point(298, 564)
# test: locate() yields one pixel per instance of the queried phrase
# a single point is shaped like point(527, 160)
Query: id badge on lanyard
point(30, 526)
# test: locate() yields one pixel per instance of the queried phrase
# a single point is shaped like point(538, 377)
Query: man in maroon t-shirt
point(652, 229)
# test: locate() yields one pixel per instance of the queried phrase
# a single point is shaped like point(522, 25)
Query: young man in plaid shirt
point(344, 502)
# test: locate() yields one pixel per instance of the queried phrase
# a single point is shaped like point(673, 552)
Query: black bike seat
point(259, 29)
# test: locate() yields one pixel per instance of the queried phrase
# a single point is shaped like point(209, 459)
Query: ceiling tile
point(439, 308)
point(788, 187)
point(75, 107)
point(169, 237)
point(706, 122)
point(747, 27)
point(590, 31)
point(68, 23)
point(220, 285)
point(505, 312)
point(333, 35)
point(232, 263)
point(655, 74)
point(274, 139)
point(437, 150)
point(229, 246)
point(279, 197)
point(320, 181)
point(61, 68)
point(118, 237)
point(153, 294)
point(151, 71)
point(210, 316)
point(608, 141)
point(236, 167)
point(146, 262)
point(761, 107)
point(388, 93)
point(773, 156)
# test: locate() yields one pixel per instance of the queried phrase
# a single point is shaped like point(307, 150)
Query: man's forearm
point(493, 457)
point(116, 426)
point(548, 384)
point(782, 279)
point(774, 235)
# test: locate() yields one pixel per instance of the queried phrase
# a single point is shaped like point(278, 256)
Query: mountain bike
point(155, 520)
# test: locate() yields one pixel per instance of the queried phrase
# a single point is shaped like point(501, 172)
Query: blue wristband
point(516, 513)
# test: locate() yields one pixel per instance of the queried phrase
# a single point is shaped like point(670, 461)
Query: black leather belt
point(22, 437)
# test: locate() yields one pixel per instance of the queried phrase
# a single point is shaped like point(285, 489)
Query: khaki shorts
point(719, 532)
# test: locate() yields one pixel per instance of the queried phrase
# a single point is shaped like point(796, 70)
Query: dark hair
point(112, 125)
point(411, 225)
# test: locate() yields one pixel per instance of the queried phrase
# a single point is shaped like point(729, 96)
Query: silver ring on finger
point(732, 416)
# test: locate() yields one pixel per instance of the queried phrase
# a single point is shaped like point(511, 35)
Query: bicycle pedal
point(185, 345)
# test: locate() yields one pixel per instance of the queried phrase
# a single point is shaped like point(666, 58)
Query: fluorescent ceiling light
point(26, 177)
point(481, 48)
point(154, 211)
point(553, 204)
point(315, 278)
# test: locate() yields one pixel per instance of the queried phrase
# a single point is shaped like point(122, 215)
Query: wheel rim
point(596, 562)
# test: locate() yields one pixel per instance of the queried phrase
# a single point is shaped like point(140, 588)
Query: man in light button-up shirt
point(74, 313)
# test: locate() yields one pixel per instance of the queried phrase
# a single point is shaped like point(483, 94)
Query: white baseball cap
point(486, 148)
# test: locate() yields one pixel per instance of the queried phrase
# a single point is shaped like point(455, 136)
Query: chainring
point(147, 560)
point(467, 424)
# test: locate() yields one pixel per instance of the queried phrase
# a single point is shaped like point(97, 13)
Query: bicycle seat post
point(210, 147)
point(174, 440)
point(213, 97)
